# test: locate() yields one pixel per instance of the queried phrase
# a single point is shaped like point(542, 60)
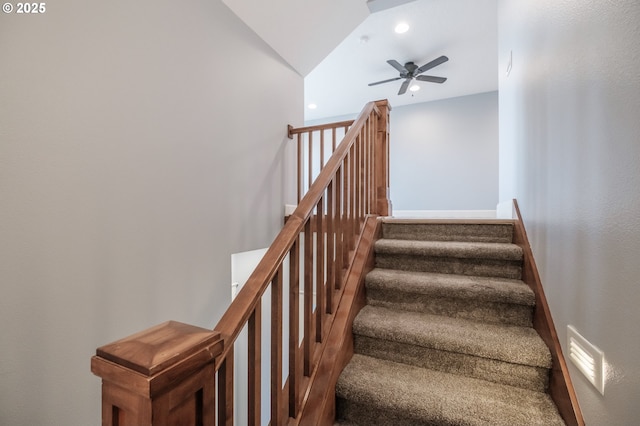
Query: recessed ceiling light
point(414, 88)
point(312, 106)
point(401, 28)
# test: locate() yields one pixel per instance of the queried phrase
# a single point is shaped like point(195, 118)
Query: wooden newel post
point(383, 203)
point(160, 376)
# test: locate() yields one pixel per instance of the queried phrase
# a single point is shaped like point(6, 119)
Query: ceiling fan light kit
point(411, 71)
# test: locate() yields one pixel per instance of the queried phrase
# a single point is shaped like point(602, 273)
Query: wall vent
point(587, 357)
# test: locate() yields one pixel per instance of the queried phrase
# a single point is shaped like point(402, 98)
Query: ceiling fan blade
point(431, 64)
point(397, 66)
point(384, 81)
point(431, 78)
point(404, 86)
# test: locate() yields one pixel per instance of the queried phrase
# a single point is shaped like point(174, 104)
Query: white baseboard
point(445, 214)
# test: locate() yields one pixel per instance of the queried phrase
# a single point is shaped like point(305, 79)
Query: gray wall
point(444, 154)
point(570, 154)
point(141, 143)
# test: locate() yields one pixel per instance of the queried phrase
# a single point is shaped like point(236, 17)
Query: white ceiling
point(303, 32)
point(464, 30)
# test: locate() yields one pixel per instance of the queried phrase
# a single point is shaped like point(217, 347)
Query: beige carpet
point(446, 336)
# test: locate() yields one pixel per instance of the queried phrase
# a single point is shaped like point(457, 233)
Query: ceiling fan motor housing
point(411, 67)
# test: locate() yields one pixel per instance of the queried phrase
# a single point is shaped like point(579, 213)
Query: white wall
point(129, 173)
point(570, 154)
point(444, 154)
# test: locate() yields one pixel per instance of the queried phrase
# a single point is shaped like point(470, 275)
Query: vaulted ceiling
point(303, 32)
point(340, 46)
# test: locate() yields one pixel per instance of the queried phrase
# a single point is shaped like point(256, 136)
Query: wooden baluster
point(310, 165)
point(300, 162)
point(225, 390)
point(321, 149)
point(308, 297)
point(333, 139)
point(347, 207)
point(361, 180)
point(367, 146)
point(345, 210)
point(294, 328)
point(319, 269)
point(339, 228)
point(352, 197)
point(276, 349)
point(357, 171)
point(354, 192)
point(363, 150)
point(363, 177)
point(331, 240)
point(254, 329)
point(363, 164)
point(371, 144)
point(369, 170)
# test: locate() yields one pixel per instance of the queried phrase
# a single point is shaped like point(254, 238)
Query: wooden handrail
point(318, 242)
point(327, 126)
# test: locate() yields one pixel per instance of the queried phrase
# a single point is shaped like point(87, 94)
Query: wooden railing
point(179, 373)
point(314, 145)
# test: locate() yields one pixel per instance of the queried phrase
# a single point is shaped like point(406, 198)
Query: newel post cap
point(149, 361)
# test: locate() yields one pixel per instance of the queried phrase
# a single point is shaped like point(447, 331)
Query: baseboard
point(561, 387)
point(445, 214)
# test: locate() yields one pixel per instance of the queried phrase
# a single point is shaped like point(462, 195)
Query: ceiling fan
point(409, 71)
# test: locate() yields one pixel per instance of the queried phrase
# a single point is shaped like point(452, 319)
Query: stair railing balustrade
point(314, 145)
point(176, 372)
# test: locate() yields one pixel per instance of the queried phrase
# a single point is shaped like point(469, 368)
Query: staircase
point(446, 337)
point(443, 336)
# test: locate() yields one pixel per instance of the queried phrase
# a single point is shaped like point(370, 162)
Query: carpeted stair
point(446, 336)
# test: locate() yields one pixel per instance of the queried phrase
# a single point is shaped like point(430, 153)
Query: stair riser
point(497, 313)
point(522, 376)
point(449, 232)
point(368, 415)
point(446, 265)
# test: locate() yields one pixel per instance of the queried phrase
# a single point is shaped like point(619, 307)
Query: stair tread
point(445, 221)
point(488, 230)
point(431, 397)
point(457, 249)
point(513, 344)
point(486, 289)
